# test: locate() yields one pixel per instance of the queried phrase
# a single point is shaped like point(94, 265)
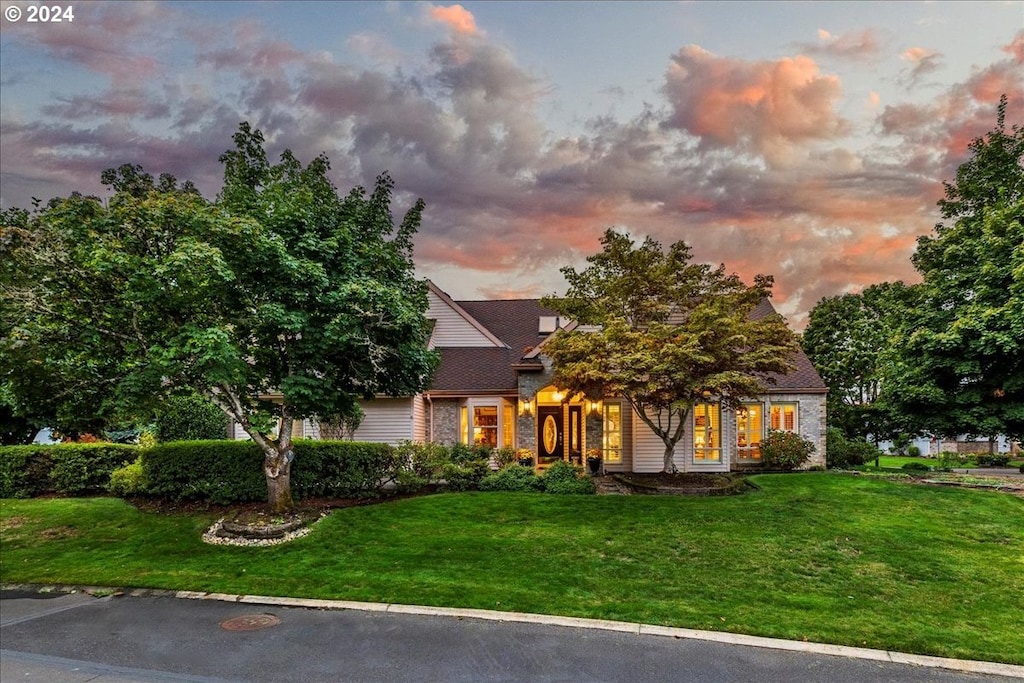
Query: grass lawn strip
point(826, 558)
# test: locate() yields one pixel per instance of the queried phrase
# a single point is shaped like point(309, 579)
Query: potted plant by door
point(525, 457)
point(594, 461)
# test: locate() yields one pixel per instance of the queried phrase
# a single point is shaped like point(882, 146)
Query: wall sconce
point(525, 408)
point(556, 396)
point(594, 408)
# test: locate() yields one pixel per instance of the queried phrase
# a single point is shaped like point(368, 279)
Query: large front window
point(487, 424)
point(612, 433)
point(707, 433)
point(749, 430)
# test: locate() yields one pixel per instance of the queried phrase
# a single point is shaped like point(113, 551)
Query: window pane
point(612, 433)
point(464, 424)
point(508, 418)
point(707, 433)
point(485, 425)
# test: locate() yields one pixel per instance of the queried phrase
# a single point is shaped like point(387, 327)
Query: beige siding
point(451, 328)
point(648, 449)
point(386, 420)
point(419, 419)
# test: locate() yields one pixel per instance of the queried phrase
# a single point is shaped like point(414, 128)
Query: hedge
point(73, 468)
point(227, 472)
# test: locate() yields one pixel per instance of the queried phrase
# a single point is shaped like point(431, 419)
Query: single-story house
point(493, 386)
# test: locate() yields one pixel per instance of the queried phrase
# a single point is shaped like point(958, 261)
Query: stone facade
point(812, 421)
point(446, 420)
point(526, 425)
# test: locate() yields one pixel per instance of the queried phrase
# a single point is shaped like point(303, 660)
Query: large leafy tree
point(962, 363)
point(664, 333)
point(850, 340)
point(281, 300)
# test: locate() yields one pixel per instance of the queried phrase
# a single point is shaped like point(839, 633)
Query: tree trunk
point(278, 469)
point(670, 463)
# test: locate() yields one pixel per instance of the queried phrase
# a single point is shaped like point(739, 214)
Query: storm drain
point(250, 622)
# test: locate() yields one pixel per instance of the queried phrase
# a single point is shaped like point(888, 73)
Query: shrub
point(916, 467)
point(129, 480)
point(425, 461)
point(190, 418)
point(344, 469)
point(465, 476)
point(227, 471)
point(513, 477)
point(563, 478)
point(992, 459)
point(913, 451)
point(842, 453)
point(220, 471)
point(504, 456)
point(785, 450)
point(73, 468)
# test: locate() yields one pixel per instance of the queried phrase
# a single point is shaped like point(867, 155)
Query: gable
point(453, 326)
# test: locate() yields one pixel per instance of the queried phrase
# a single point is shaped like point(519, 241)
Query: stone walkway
point(609, 486)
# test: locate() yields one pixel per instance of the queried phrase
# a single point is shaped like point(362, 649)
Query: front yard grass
point(819, 556)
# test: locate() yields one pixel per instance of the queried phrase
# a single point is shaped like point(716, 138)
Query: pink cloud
point(1016, 48)
point(857, 45)
point(765, 107)
point(456, 17)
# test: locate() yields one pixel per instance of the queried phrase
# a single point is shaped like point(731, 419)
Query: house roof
point(515, 323)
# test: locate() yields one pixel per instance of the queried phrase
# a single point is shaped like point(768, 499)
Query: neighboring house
point(493, 386)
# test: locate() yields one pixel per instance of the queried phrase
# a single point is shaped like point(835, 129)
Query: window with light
point(707, 433)
point(612, 440)
point(749, 432)
point(784, 417)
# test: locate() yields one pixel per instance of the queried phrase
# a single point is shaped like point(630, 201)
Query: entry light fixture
point(525, 407)
point(594, 408)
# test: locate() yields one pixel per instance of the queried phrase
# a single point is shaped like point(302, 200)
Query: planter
point(595, 466)
point(526, 462)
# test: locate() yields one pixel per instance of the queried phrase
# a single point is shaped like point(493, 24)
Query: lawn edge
point(639, 629)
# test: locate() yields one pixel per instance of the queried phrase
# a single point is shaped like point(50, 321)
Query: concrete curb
point(964, 665)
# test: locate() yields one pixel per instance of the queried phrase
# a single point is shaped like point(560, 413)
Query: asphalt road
point(75, 638)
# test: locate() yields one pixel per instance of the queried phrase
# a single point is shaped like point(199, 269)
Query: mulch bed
point(685, 484)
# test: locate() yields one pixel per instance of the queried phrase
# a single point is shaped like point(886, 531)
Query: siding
point(648, 449)
point(386, 420)
point(419, 418)
point(450, 328)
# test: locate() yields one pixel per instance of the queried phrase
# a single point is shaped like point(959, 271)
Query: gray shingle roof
point(514, 321)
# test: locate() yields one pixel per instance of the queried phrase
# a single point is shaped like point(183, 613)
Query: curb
point(964, 665)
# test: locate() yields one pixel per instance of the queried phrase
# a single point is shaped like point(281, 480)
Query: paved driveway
point(76, 638)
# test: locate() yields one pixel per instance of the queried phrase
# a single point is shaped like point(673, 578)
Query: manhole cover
point(250, 622)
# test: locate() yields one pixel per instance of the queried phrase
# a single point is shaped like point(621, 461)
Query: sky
point(806, 140)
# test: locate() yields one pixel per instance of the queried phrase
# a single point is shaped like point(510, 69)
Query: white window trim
point(796, 415)
point(718, 432)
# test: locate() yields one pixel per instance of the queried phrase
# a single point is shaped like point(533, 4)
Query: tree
point(281, 300)
point(962, 364)
point(849, 339)
point(664, 334)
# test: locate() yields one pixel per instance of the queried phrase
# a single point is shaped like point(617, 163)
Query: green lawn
point(898, 461)
point(826, 557)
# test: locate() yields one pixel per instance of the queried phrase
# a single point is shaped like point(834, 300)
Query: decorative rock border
point(227, 533)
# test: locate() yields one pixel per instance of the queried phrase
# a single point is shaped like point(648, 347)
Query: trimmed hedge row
point(77, 468)
point(232, 471)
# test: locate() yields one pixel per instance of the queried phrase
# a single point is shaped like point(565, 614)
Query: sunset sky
point(805, 140)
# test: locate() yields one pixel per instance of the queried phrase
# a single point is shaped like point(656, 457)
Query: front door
point(550, 437)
